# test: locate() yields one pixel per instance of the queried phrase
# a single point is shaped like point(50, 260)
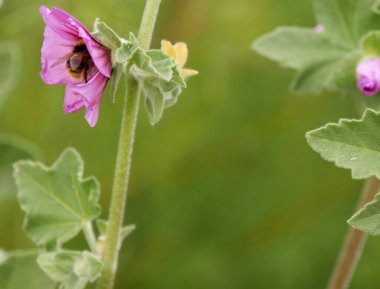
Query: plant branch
point(353, 245)
point(124, 156)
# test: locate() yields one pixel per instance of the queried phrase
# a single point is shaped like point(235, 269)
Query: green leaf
point(368, 218)
point(370, 44)
point(344, 73)
point(72, 269)
point(351, 144)
point(125, 231)
point(159, 80)
point(127, 50)
point(312, 54)
point(57, 201)
point(19, 270)
point(12, 149)
point(106, 35)
point(9, 61)
point(346, 21)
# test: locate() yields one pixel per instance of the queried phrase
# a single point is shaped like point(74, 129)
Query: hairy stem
point(124, 156)
point(90, 237)
point(353, 245)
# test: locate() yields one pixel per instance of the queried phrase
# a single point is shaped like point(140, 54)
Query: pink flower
point(72, 56)
point(369, 76)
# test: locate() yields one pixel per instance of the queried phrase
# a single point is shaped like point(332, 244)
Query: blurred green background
point(224, 190)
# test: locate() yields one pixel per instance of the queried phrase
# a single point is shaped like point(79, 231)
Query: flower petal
point(188, 72)
point(61, 22)
point(99, 54)
point(168, 49)
point(73, 101)
point(92, 115)
point(181, 54)
point(91, 94)
point(53, 52)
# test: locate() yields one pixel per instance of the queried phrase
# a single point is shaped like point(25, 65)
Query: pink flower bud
point(369, 76)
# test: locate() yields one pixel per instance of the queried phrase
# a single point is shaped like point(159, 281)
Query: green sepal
point(159, 80)
point(19, 270)
point(72, 269)
point(367, 219)
point(106, 35)
point(117, 73)
point(125, 231)
point(351, 144)
point(370, 44)
point(57, 201)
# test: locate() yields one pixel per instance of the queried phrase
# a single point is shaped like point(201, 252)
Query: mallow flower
point(369, 76)
point(70, 55)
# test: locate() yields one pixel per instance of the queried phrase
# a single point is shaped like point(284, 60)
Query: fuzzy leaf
point(351, 144)
point(106, 35)
point(57, 200)
point(72, 269)
point(12, 149)
point(303, 49)
point(9, 56)
point(346, 21)
point(368, 218)
point(19, 270)
point(159, 80)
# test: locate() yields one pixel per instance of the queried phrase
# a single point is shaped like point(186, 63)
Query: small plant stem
point(124, 156)
point(353, 245)
point(148, 22)
point(90, 237)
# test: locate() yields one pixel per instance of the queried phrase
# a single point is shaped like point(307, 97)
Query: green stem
point(90, 237)
point(124, 156)
point(353, 246)
point(148, 22)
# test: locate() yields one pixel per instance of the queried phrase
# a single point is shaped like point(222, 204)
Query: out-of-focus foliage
point(20, 270)
point(224, 190)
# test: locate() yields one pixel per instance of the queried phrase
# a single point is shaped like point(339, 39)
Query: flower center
point(80, 63)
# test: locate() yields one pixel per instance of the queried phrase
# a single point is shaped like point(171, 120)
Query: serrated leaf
point(312, 54)
point(351, 144)
point(20, 270)
point(12, 149)
point(57, 201)
point(346, 21)
point(368, 218)
point(9, 56)
point(71, 268)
